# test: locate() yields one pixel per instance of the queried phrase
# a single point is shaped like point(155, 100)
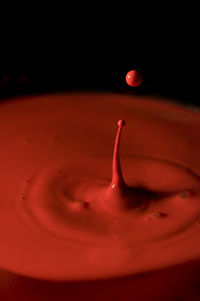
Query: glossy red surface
point(134, 78)
point(57, 218)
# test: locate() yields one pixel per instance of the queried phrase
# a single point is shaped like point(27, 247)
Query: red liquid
point(134, 78)
point(56, 157)
point(117, 198)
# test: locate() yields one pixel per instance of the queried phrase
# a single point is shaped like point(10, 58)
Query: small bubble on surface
point(155, 215)
point(184, 194)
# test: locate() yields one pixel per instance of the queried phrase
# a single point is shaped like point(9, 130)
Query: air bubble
point(155, 215)
point(184, 194)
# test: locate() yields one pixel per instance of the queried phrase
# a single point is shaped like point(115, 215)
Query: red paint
point(119, 197)
point(56, 211)
point(117, 177)
point(116, 190)
point(134, 78)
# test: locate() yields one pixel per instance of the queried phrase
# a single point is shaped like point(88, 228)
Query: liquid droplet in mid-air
point(134, 78)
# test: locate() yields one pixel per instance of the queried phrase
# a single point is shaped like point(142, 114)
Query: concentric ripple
point(53, 202)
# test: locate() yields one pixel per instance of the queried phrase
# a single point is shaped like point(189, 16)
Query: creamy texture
point(56, 161)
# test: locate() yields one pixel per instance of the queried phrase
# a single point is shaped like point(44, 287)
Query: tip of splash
point(121, 123)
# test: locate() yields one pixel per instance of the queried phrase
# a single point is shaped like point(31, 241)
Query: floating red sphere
point(134, 78)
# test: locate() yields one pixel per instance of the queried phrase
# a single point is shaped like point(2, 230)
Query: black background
point(49, 56)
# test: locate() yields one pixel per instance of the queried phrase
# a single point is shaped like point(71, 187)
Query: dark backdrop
point(50, 56)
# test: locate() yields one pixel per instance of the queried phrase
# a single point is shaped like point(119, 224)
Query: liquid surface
point(56, 163)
